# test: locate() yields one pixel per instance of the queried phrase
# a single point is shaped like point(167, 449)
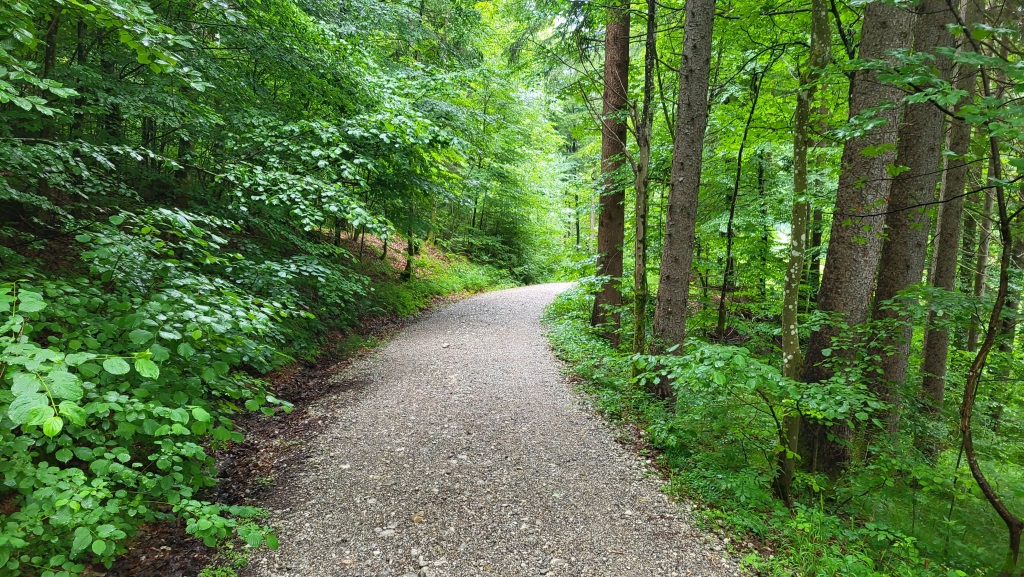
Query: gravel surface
point(465, 452)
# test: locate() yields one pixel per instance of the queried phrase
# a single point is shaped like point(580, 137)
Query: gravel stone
point(468, 454)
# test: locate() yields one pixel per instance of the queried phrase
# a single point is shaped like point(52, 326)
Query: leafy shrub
point(720, 445)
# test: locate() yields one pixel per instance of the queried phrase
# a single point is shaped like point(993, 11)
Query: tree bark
point(687, 153)
point(643, 137)
point(855, 240)
point(981, 261)
point(814, 274)
point(612, 218)
point(946, 244)
point(792, 357)
point(905, 247)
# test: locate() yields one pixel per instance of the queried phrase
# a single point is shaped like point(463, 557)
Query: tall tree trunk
point(981, 260)
point(792, 357)
point(729, 273)
point(643, 137)
point(687, 152)
point(409, 254)
point(947, 239)
point(766, 227)
point(814, 274)
point(49, 128)
point(855, 239)
point(919, 155)
point(612, 220)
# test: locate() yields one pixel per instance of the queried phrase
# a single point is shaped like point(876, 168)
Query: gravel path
point(466, 453)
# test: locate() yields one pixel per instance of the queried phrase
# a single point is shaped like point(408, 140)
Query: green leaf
point(64, 455)
point(115, 220)
point(147, 368)
point(99, 546)
point(25, 384)
point(253, 538)
point(160, 352)
point(83, 537)
point(53, 426)
point(272, 541)
point(30, 301)
point(89, 370)
point(200, 414)
point(65, 385)
point(826, 352)
point(140, 336)
point(75, 359)
point(39, 415)
point(73, 412)
point(20, 407)
point(116, 366)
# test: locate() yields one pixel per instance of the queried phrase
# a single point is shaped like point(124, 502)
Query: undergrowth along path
point(463, 451)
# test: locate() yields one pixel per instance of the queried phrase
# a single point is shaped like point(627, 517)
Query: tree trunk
point(947, 240)
point(814, 274)
point(766, 227)
point(855, 240)
point(919, 155)
point(612, 220)
point(409, 254)
point(49, 128)
point(687, 152)
point(981, 261)
point(792, 357)
point(643, 137)
point(727, 276)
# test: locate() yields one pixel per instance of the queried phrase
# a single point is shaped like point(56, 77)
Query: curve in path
point(465, 454)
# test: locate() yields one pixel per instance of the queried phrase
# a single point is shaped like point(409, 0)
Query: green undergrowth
point(436, 275)
point(127, 361)
point(718, 448)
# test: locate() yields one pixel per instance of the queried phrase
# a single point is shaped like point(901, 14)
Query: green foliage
point(177, 180)
point(720, 445)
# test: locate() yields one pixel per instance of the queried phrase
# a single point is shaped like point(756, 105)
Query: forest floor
point(460, 449)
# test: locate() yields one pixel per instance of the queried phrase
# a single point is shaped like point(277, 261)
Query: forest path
point(464, 452)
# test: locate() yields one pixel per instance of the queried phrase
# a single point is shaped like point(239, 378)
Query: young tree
point(792, 356)
point(947, 233)
point(643, 164)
